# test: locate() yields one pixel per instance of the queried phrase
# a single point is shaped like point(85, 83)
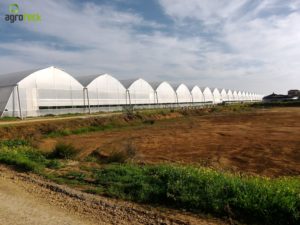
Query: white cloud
point(245, 51)
point(265, 36)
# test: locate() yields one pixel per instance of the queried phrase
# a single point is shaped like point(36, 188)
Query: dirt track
point(29, 200)
point(265, 142)
point(55, 118)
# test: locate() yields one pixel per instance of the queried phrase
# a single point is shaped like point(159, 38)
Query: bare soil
point(27, 199)
point(264, 142)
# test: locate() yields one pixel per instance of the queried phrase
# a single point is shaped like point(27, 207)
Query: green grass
point(249, 199)
point(8, 118)
point(81, 130)
point(246, 198)
point(13, 143)
point(25, 158)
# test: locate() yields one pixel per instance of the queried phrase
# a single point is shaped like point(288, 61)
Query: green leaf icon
point(13, 8)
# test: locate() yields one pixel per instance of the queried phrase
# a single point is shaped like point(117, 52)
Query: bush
point(25, 159)
point(122, 155)
point(63, 151)
point(254, 199)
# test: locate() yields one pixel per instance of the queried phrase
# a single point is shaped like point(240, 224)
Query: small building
point(294, 93)
point(275, 97)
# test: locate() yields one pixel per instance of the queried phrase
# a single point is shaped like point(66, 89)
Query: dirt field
point(265, 142)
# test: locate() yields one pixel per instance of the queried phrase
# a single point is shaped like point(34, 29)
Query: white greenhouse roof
point(203, 88)
point(12, 79)
point(191, 87)
point(127, 83)
point(86, 80)
point(176, 85)
point(155, 84)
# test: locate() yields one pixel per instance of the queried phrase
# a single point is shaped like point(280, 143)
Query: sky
point(251, 45)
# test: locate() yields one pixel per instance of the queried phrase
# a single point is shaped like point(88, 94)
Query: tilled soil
point(264, 142)
point(27, 199)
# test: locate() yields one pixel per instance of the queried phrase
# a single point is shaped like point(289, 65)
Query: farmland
point(239, 163)
point(264, 142)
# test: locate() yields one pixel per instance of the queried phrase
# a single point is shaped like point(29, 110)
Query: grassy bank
point(249, 199)
point(140, 118)
point(59, 128)
point(22, 156)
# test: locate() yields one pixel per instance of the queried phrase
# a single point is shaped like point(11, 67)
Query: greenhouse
point(207, 94)
point(235, 95)
point(248, 97)
point(183, 94)
point(138, 92)
point(230, 95)
point(224, 96)
point(197, 95)
point(102, 92)
point(244, 96)
point(217, 96)
point(54, 91)
point(164, 93)
point(40, 92)
point(253, 97)
point(240, 96)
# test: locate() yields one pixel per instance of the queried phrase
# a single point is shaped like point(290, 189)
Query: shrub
point(122, 155)
point(20, 161)
point(63, 151)
point(252, 199)
point(24, 159)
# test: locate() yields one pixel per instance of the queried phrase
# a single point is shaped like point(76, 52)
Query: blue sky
point(251, 45)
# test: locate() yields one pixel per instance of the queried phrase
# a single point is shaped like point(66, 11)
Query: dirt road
point(55, 118)
point(30, 200)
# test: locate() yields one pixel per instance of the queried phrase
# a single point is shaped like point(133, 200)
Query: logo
point(13, 8)
point(15, 16)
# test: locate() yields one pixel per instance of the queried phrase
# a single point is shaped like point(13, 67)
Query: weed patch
point(63, 151)
point(26, 159)
point(254, 199)
point(13, 143)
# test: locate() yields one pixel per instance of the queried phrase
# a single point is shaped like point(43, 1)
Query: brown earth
point(27, 199)
point(265, 142)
